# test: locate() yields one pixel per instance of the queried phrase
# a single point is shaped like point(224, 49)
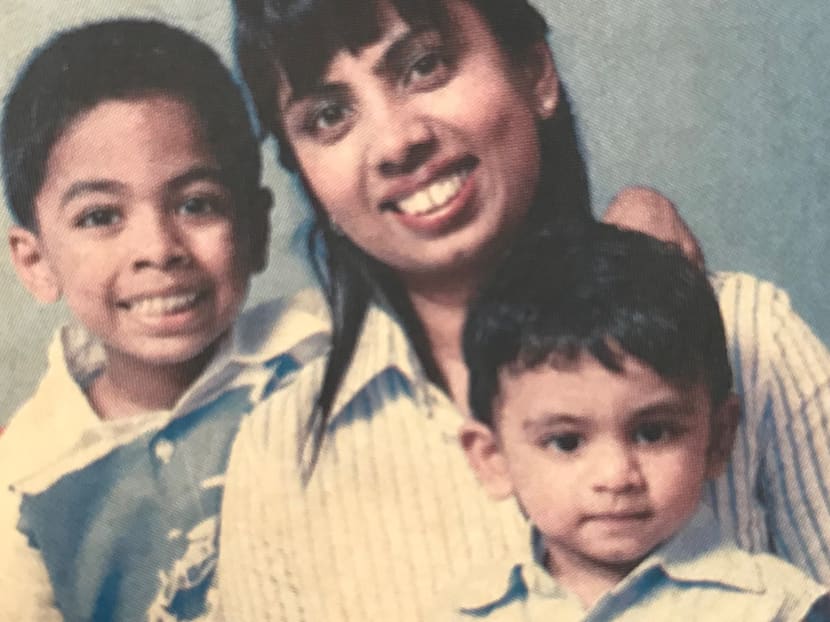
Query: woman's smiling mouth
point(434, 196)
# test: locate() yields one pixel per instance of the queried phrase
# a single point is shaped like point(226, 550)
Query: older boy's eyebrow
point(199, 173)
point(317, 90)
point(90, 186)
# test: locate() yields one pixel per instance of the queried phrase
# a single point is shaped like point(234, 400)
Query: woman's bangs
point(312, 32)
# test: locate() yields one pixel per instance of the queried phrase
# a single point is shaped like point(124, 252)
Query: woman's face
point(423, 148)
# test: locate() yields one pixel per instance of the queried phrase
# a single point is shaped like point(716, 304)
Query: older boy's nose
point(157, 243)
point(617, 469)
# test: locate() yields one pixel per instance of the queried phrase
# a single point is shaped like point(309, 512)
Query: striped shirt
point(393, 514)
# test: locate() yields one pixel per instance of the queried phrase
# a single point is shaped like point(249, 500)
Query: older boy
point(133, 172)
point(601, 391)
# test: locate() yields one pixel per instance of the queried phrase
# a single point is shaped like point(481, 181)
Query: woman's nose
point(403, 140)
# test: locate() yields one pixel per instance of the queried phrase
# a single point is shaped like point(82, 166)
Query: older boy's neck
point(128, 387)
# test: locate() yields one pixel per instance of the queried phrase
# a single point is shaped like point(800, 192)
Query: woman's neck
point(442, 313)
point(128, 386)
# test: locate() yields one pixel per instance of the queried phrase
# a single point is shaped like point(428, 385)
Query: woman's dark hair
point(298, 38)
point(116, 60)
point(615, 292)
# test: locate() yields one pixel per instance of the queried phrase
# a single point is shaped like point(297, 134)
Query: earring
point(334, 227)
point(547, 106)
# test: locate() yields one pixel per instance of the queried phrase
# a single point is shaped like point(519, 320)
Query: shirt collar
point(276, 327)
point(382, 345)
point(296, 328)
point(698, 553)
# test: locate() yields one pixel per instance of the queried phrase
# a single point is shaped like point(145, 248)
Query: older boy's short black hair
point(601, 291)
point(121, 60)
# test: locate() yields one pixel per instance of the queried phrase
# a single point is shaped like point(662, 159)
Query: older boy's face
point(607, 465)
point(139, 232)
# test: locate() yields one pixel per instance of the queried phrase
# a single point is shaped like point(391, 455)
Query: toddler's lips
point(612, 518)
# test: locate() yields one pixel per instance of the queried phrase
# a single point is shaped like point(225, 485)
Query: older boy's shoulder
point(279, 325)
point(49, 422)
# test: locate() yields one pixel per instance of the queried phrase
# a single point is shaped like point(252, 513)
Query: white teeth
point(433, 196)
point(163, 305)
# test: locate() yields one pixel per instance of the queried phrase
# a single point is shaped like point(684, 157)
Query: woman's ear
point(486, 459)
point(31, 265)
point(543, 79)
point(723, 429)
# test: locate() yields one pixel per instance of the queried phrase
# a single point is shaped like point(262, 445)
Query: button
point(164, 450)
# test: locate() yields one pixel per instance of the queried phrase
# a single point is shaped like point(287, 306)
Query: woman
point(427, 135)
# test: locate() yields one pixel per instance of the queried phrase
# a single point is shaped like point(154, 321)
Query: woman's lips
point(436, 204)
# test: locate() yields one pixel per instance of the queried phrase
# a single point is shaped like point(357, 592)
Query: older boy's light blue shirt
point(126, 524)
point(697, 575)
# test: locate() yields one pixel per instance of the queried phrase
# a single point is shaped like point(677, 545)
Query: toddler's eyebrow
point(198, 173)
point(549, 420)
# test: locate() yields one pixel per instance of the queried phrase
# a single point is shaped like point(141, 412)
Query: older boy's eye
point(327, 118)
point(651, 433)
point(566, 443)
point(98, 217)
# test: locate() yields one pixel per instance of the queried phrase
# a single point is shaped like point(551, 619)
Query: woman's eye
point(429, 69)
point(651, 433)
point(565, 443)
point(98, 217)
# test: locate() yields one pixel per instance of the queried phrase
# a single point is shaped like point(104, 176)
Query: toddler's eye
point(565, 443)
point(198, 206)
point(651, 433)
point(98, 217)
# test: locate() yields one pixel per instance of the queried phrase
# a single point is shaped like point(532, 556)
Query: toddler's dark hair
point(604, 292)
point(121, 60)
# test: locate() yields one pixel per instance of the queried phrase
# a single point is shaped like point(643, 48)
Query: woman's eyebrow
point(395, 54)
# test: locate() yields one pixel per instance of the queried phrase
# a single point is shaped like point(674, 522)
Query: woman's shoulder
point(752, 307)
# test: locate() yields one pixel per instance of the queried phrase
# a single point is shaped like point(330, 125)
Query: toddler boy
point(600, 388)
point(134, 175)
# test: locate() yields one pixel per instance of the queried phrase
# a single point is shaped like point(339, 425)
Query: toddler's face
point(138, 231)
point(606, 465)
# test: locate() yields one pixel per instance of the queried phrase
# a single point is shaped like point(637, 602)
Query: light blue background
point(723, 106)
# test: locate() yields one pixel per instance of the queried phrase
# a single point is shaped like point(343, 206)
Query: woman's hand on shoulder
point(644, 209)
